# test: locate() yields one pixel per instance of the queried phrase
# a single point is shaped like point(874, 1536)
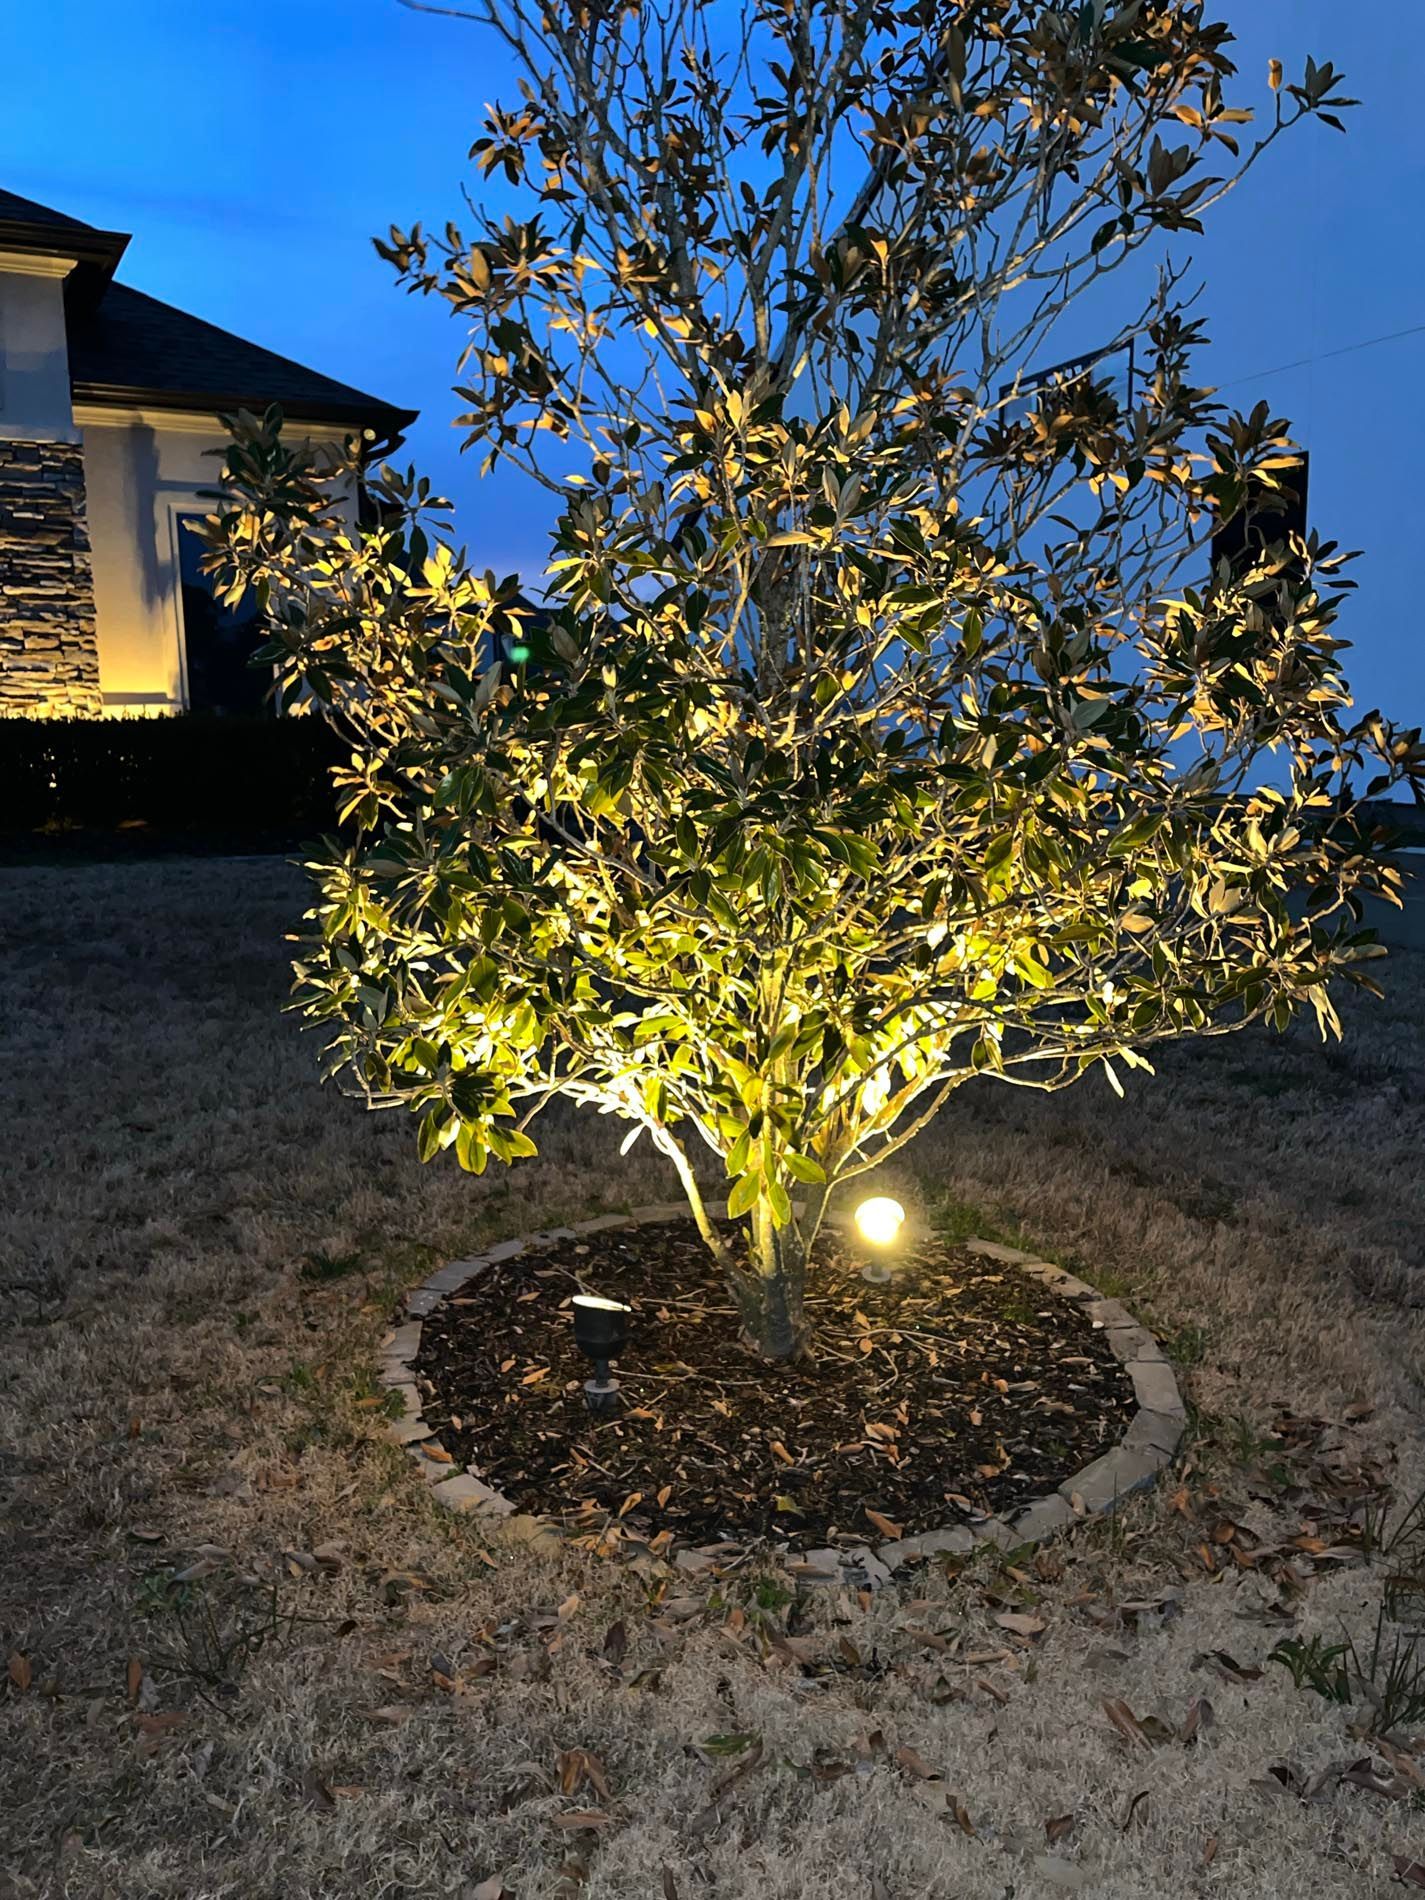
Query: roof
point(127, 348)
point(132, 349)
point(17, 210)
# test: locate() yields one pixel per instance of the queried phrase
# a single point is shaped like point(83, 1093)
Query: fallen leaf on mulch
point(134, 1677)
point(885, 1525)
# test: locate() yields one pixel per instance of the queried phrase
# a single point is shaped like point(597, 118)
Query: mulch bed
point(961, 1388)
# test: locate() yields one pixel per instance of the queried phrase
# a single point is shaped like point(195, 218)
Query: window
point(218, 641)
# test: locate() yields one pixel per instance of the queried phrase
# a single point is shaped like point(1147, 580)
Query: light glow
point(880, 1220)
point(599, 1304)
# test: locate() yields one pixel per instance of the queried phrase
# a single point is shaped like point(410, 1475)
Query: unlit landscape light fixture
point(600, 1333)
point(879, 1222)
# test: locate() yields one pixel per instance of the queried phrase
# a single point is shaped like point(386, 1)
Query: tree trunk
point(770, 1290)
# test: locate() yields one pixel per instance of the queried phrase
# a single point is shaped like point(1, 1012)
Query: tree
point(887, 725)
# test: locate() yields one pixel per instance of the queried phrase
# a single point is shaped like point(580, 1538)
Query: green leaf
point(743, 1195)
point(803, 1168)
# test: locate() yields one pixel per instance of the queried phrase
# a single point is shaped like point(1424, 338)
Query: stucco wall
point(34, 353)
point(144, 469)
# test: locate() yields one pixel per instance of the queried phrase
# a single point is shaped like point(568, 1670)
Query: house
point(109, 408)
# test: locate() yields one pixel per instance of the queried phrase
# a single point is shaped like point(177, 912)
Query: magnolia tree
point(888, 722)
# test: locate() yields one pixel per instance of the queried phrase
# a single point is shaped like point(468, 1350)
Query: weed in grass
point(1315, 1664)
point(1186, 1346)
point(318, 1269)
point(769, 1594)
point(1388, 1678)
point(209, 1621)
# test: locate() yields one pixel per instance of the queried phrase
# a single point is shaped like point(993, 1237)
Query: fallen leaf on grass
point(161, 1724)
point(575, 1766)
point(134, 1677)
point(1058, 1827)
point(492, 1889)
point(1209, 1850)
point(1200, 1715)
point(1125, 1721)
point(915, 1764)
point(1362, 1774)
point(315, 1791)
point(20, 1672)
point(1018, 1624)
point(726, 1744)
point(961, 1814)
point(746, 1767)
point(1131, 1811)
point(583, 1817)
point(1410, 1873)
point(392, 1714)
point(670, 1885)
point(1228, 1667)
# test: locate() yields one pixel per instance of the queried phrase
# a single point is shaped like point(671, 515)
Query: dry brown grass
point(197, 1246)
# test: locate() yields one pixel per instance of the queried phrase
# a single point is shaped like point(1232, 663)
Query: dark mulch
point(961, 1388)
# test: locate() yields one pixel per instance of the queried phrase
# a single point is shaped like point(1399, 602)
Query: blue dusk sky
point(253, 146)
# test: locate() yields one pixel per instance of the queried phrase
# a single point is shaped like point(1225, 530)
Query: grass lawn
point(199, 1248)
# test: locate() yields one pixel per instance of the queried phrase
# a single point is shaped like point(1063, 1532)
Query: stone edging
point(1133, 1464)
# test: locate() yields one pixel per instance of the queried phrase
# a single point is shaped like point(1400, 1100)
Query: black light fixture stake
point(600, 1333)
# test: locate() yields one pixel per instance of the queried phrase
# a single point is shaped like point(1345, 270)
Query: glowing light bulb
point(880, 1220)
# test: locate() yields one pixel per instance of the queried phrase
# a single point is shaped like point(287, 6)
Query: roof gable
point(129, 349)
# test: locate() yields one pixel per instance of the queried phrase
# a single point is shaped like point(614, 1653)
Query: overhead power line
point(1324, 356)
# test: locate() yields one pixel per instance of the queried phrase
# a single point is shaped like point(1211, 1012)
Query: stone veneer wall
point(49, 652)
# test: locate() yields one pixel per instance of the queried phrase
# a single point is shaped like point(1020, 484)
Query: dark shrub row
point(232, 778)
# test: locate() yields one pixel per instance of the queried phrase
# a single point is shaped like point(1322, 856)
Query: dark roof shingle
point(130, 347)
point(17, 210)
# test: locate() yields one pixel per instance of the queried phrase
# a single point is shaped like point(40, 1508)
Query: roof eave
point(388, 423)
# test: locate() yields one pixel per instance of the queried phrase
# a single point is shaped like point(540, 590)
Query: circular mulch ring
point(962, 1390)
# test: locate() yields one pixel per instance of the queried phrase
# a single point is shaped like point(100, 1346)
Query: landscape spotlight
point(879, 1222)
point(600, 1332)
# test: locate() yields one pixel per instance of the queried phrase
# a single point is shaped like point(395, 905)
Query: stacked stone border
point(1132, 1465)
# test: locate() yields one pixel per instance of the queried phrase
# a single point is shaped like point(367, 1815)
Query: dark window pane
point(219, 641)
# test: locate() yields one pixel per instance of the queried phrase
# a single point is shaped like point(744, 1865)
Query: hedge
point(187, 773)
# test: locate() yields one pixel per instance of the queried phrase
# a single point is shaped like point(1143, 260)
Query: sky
point(254, 146)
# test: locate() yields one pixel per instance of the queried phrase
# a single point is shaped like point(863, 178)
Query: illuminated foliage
point(890, 724)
